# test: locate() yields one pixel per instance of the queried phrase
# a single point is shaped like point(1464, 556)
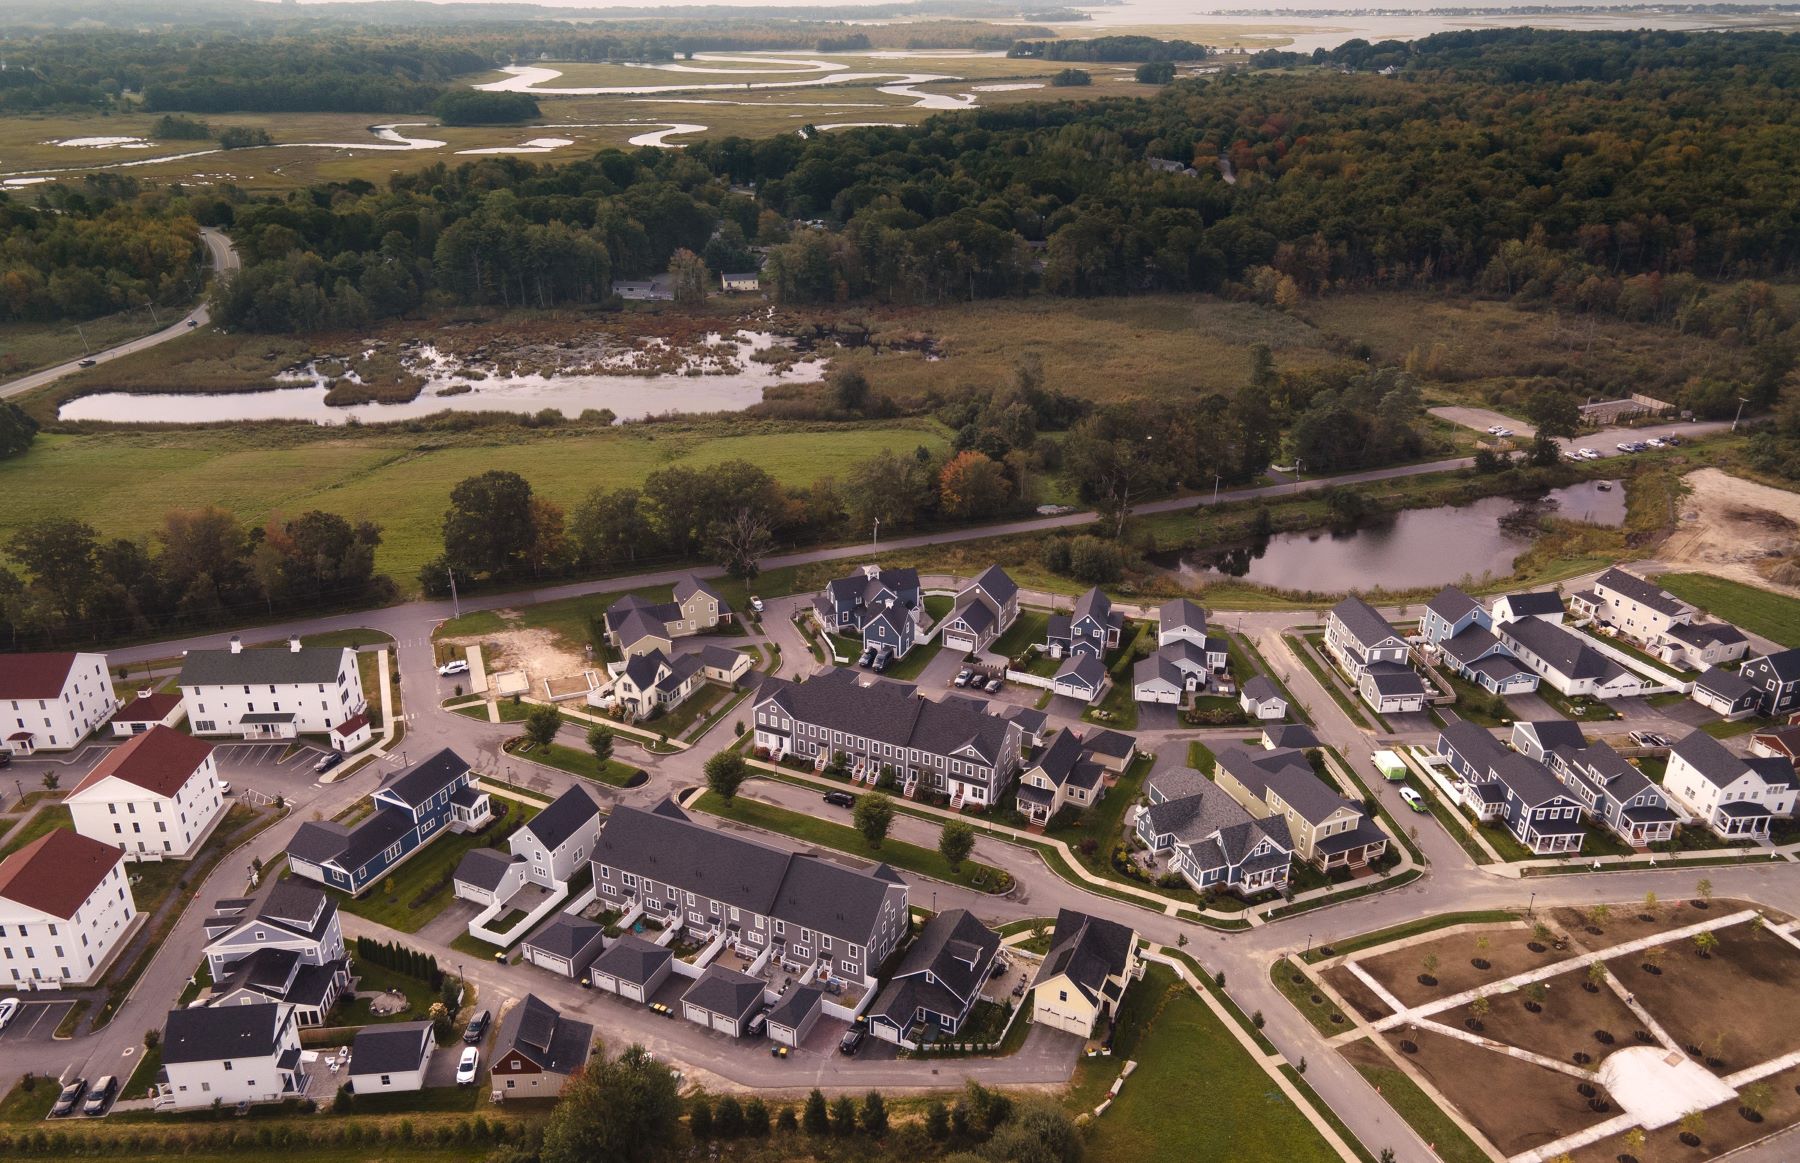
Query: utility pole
point(455, 602)
point(1742, 400)
point(154, 318)
point(877, 542)
point(84, 343)
point(1215, 488)
point(1298, 465)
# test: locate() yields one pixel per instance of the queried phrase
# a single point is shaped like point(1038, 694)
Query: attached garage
point(633, 968)
point(724, 1000)
point(1082, 677)
point(796, 1014)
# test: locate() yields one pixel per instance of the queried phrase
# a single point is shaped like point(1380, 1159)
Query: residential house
point(954, 746)
point(1062, 775)
point(411, 809)
point(1634, 607)
point(385, 1058)
point(636, 624)
point(1544, 605)
point(1033, 724)
point(567, 944)
point(1276, 736)
point(725, 1000)
point(488, 876)
point(1616, 794)
point(1738, 797)
point(1507, 787)
point(51, 702)
point(1778, 743)
point(1701, 645)
point(1449, 614)
point(733, 281)
point(157, 796)
point(1262, 699)
point(632, 968)
point(1082, 676)
point(1327, 830)
point(793, 1017)
point(1182, 638)
point(1374, 655)
point(983, 611)
point(1084, 976)
point(1113, 750)
point(64, 906)
point(1158, 680)
point(1210, 839)
point(290, 950)
point(1477, 654)
point(880, 607)
point(1727, 692)
point(939, 979)
point(149, 709)
point(807, 909)
point(1776, 680)
point(649, 682)
point(1536, 739)
point(558, 841)
point(1567, 660)
point(536, 1049)
point(271, 693)
point(1092, 627)
point(231, 1054)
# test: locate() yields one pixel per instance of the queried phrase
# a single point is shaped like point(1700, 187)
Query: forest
point(82, 254)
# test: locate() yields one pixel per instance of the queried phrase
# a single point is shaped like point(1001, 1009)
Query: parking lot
point(36, 1022)
point(268, 768)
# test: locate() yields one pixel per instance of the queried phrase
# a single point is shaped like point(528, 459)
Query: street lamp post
point(877, 541)
point(1308, 952)
point(1531, 906)
point(1298, 465)
point(1742, 400)
point(1216, 488)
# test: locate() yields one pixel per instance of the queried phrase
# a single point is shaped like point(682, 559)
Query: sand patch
point(1736, 529)
point(538, 653)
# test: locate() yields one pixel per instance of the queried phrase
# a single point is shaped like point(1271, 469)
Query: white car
point(467, 1066)
point(9, 1009)
point(1656, 442)
point(1589, 454)
point(1495, 429)
point(1503, 432)
point(1413, 799)
point(454, 666)
point(756, 604)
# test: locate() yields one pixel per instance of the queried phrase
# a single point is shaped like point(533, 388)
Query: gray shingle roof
point(796, 1005)
point(1532, 603)
point(424, 780)
point(567, 814)
point(726, 992)
point(688, 584)
point(956, 949)
point(1393, 678)
point(633, 959)
point(1451, 604)
point(1721, 768)
point(1726, 684)
point(1177, 782)
point(1156, 667)
point(1088, 950)
point(1262, 689)
point(1180, 612)
point(1565, 651)
point(1700, 634)
point(1640, 591)
point(1470, 644)
point(1289, 774)
point(1112, 744)
point(485, 868)
point(390, 1049)
point(1291, 735)
point(544, 1036)
point(1784, 664)
point(996, 584)
point(1552, 733)
point(567, 935)
point(299, 907)
point(1082, 670)
point(1363, 622)
point(211, 1033)
point(270, 665)
point(890, 712)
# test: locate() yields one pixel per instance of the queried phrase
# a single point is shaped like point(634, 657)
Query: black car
point(477, 1029)
point(69, 1098)
point(852, 1041)
point(328, 761)
point(100, 1097)
point(5, 759)
point(840, 799)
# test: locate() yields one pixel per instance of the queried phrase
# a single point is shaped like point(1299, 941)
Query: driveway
point(1482, 419)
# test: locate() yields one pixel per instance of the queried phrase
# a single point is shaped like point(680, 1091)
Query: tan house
point(1063, 775)
point(1328, 830)
point(637, 625)
point(535, 1051)
point(1083, 977)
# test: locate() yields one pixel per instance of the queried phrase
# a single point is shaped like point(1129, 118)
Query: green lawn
point(1182, 1046)
point(1247, 661)
point(1584, 711)
point(913, 665)
point(1720, 729)
point(1345, 703)
point(45, 821)
point(580, 761)
point(419, 996)
point(1301, 994)
point(28, 1106)
point(1102, 822)
point(1201, 758)
point(1028, 629)
point(421, 886)
point(1759, 611)
point(844, 838)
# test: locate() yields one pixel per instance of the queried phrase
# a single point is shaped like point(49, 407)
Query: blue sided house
point(411, 809)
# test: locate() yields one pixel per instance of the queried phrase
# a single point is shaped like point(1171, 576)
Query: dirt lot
point(1728, 526)
point(539, 653)
point(1357, 995)
point(1570, 1017)
point(1744, 992)
point(1517, 1105)
point(1625, 923)
point(1506, 955)
point(1726, 1130)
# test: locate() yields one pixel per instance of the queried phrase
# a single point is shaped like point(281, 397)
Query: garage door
point(959, 642)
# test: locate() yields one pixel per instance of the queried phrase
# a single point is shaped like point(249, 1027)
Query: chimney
point(146, 692)
point(237, 644)
point(294, 644)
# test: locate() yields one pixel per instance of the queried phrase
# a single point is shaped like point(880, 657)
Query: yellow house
point(1084, 975)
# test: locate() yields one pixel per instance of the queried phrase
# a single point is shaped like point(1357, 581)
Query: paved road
point(224, 258)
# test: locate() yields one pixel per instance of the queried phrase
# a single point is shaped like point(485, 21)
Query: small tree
point(1257, 1019)
point(1537, 993)
point(1599, 915)
point(1705, 943)
point(937, 1121)
point(600, 741)
point(728, 1119)
point(1634, 1141)
point(955, 843)
point(787, 1122)
point(700, 1118)
point(51, 781)
point(1693, 1124)
point(1479, 1006)
point(1596, 974)
point(1654, 955)
point(725, 773)
point(1540, 933)
point(541, 722)
point(1482, 944)
point(816, 1119)
point(843, 1115)
point(874, 1115)
point(1429, 964)
point(756, 1119)
point(1757, 1098)
point(1650, 904)
point(1705, 889)
point(873, 816)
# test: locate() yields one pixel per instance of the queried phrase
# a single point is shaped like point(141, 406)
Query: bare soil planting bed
point(1355, 994)
point(1399, 970)
point(1726, 1129)
point(1746, 991)
point(1517, 1105)
point(1626, 921)
point(1566, 1026)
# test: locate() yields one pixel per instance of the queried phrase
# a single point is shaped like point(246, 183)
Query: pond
point(1406, 550)
point(713, 383)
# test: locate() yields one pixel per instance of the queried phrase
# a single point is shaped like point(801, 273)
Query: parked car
point(963, 676)
point(1657, 740)
point(881, 662)
point(467, 1066)
point(477, 1027)
point(994, 684)
point(1495, 429)
point(67, 1100)
point(193, 322)
point(868, 657)
point(852, 1041)
point(224, 787)
point(756, 603)
point(1657, 442)
point(5, 758)
point(1673, 441)
point(100, 1097)
point(1626, 446)
point(454, 666)
point(1640, 739)
point(1503, 433)
point(1589, 454)
point(1054, 510)
point(1413, 800)
point(328, 761)
point(87, 363)
point(9, 1009)
point(840, 799)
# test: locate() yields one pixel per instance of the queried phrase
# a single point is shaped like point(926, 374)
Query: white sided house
point(231, 1054)
point(290, 950)
point(51, 702)
point(385, 1058)
point(1737, 797)
point(149, 709)
point(156, 796)
point(1083, 977)
point(64, 907)
point(984, 610)
point(271, 693)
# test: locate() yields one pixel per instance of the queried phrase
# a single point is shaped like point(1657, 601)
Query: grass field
point(1774, 616)
point(1179, 1044)
point(421, 886)
point(124, 483)
point(27, 346)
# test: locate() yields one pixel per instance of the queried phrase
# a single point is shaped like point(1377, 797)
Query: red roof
point(147, 708)
point(57, 872)
point(34, 676)
point(352, 725)
point(160, 761)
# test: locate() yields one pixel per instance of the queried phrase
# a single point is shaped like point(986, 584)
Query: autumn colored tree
point(972, 486)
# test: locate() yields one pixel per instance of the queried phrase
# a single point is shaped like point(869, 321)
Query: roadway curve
point(224, 257)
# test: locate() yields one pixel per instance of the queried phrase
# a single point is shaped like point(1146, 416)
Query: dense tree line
point(474, 107)
point(201, 568)
point(73, 256)
point(1111, 48)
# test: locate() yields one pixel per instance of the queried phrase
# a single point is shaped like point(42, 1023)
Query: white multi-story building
point(156, 796)
point(271, 693)
point(1737, 797)
point(232, 1054)
point(64, 905)
point(51, 702)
